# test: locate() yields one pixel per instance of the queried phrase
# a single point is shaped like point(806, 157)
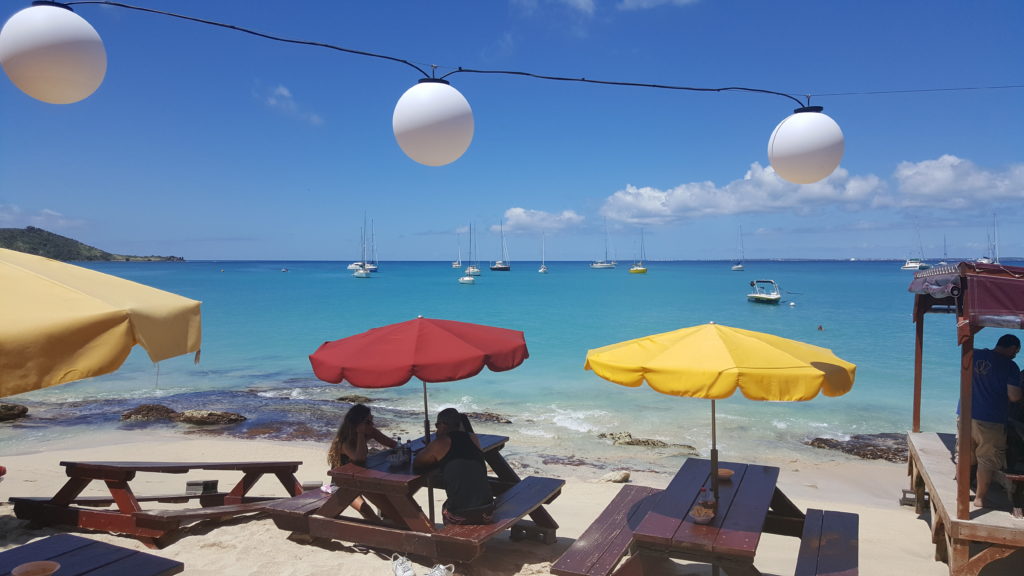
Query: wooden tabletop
point(183, 467)
point(85, 557)
point(743, 505)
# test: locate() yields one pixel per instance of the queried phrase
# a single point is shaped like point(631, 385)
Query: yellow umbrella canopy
point(63, 322)
point(712, 361)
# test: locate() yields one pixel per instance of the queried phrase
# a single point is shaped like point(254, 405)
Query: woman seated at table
point(463, 470)
point(350, 445)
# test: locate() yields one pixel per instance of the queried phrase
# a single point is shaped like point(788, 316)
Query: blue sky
point(212, 144)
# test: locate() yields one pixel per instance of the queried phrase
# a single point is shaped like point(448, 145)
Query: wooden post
point(963, 432)
point(918, 361)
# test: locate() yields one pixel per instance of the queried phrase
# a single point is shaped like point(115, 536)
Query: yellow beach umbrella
point(62, 322)
point(712, 361)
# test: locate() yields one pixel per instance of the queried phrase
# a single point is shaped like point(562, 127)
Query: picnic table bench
point(149, 526)
point(828, 544)
point(403, 526)
point(80, 556)
point(597, 551)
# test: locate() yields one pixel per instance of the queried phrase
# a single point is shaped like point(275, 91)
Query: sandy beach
point(893, 539)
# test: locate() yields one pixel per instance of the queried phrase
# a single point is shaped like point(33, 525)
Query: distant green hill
point(42, 243)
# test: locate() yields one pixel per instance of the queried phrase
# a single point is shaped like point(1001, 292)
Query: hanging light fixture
point(433, 123)
point(52, 54)
point(806, 147)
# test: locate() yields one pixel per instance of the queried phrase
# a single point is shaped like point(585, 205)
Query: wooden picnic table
point(749, 504)
point(655, 526)
point(149, 525)
point(402, 525)
point(79, 556)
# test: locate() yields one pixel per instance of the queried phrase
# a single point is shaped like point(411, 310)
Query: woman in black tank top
point(457, 450)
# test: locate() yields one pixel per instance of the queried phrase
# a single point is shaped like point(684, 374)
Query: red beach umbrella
point(429, 349)
point(426, 348)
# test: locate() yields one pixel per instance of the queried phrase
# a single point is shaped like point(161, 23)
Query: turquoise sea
point(261, 322)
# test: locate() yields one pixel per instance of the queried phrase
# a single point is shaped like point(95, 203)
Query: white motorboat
point(764, 292)
point(915, 264)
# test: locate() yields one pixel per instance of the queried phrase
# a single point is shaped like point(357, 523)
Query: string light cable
point(54, 55)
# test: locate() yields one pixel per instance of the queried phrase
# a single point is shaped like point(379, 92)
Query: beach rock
point(890, 446)
point(355, 399)
point(619, 477)
point(149, 412)
point(488, 417)
point(208, 417)
point(550, 459)
point(12, 411)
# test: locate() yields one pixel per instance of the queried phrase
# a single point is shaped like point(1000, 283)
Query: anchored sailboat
point(605, 264)
point(502, 264)
point(543, 267)
point(457, 263)
point(639, 267)
point(738, 266)
point(471, 270)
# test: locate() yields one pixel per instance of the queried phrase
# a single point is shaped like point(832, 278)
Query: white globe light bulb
point(806, 147)
point(433, 123)
point(52, 54)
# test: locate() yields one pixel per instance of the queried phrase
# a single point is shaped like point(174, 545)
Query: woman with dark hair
point(350, 445)
point(457, 450)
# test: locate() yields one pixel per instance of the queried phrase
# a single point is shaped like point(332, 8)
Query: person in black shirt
point(457, 451)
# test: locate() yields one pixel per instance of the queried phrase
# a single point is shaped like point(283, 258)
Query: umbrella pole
point(714, 455)
point(426, 440)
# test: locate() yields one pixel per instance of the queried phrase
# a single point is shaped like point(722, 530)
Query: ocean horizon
point(260, 325)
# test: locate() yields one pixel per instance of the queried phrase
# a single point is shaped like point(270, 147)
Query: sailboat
point(362, 271)
point(605, 264)
point(371, 265)
point(917, 263)
point(543, 267)
point(639, 267)
point(502, 264)
point(472, 269)
point(943, 262)
point(993, 245)
point(738, 266)
point(457, 263)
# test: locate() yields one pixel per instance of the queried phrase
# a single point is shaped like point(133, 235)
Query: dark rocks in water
point(12, 411)
point(149, 412)
point(890, 446)
point(626, 439)
point(208, 417)
point(488, 417)
point(549, 459)
point(355, 399)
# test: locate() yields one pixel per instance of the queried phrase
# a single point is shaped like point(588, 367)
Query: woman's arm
point(381, 437)
point(432, 454)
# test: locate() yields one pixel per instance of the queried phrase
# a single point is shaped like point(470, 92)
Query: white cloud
point(280, 98)
point(648, 4)
point(12, 216)
point(522, 220)
point(582, 6)
point(760, 190)
point(955, 183)
point(530, 7)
